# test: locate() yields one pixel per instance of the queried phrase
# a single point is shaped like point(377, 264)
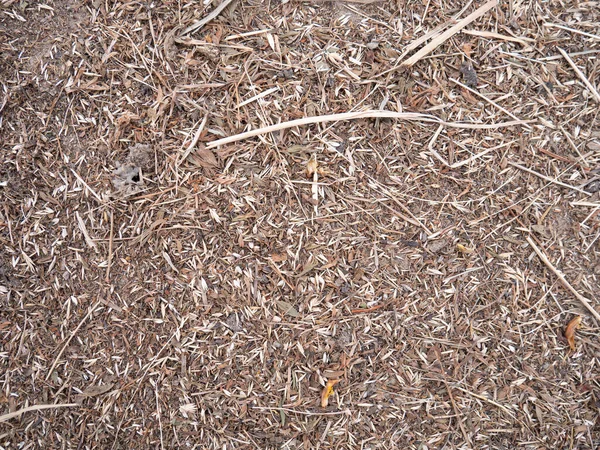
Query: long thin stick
point(194, 141)
point(491, 35)
point(490, 101)
point(22, 411)
point(360, 115)
point(110, 246)
point(449, 33)
point(71, 337)
point(584, 301)
point(548, 179)
point(214, 13)
point(85, 233)
point(435, 32)
point(304, 413)
point(580, 74)
point(572, 30)
point(489, 400)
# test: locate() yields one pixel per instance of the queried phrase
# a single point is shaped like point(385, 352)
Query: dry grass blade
point(71, 336)
point(584, 301)
point(363, 2)
point(110, 246)
point(20, 412)
point(548, 179)
point(491, 102)
point(572, 30)
point(488, 400)
point(209, 17)
point(85, 233)
point(580, 74)
point(195, 140)
point(258, 96)
point(304, 413)
point(492, 35)
point(439, 40)
point(373, 114)
point(433, 33)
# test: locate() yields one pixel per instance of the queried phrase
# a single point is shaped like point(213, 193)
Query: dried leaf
point(225, 180)
point(358, 274)
point(287, 308)
point(327, 391)
point(333, 373)
point(468, 49)
point(311, 167)
point(461, 248)
point(570, 331)
point(93, 391)
point(279, 257)
point(204, 157)
point(540, 229)
point(436, 246)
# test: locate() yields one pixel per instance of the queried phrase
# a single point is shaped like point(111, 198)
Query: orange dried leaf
point(468, 49)
point(311, 167)
point(323, 171)
point(327, 391)
point(463, 249)
point(570, 331)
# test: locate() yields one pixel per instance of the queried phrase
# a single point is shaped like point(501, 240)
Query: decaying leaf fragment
point(570, 331)
point(463, 249)
point(311, 166)
point(93, 391)
point(327, 391)
point(287, 308)
point(204, 157)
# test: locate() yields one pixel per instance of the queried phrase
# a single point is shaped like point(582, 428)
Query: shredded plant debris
point(214, 211)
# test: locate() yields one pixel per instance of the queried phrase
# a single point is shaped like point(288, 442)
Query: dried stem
point(584, 301)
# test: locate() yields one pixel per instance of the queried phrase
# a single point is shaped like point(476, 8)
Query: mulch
point(299, 224)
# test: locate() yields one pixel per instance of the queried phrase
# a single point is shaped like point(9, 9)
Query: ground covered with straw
point(400, 279)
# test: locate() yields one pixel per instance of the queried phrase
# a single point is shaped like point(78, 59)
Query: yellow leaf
point(322, 171)
point(327, 391)
point(461, 248)
point(311, 166)
point(570, 331)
